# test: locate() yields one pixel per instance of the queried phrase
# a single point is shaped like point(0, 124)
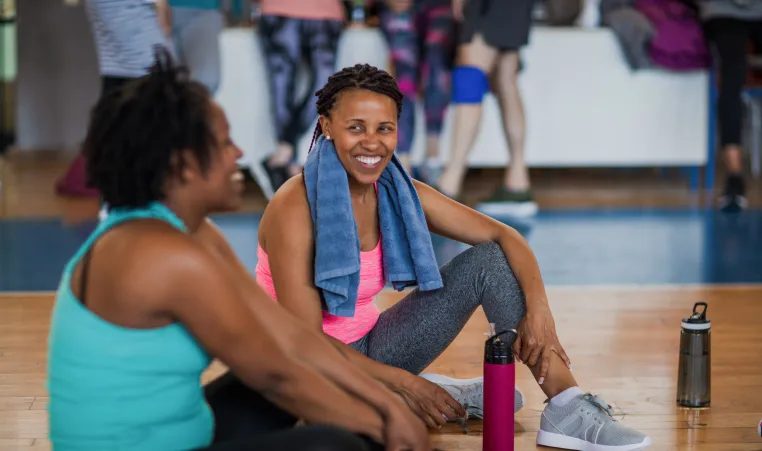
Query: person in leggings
point(196, 27)
point(125, 33)
point(729, 28)
point(154, 295)
point(292, 32)
point(492, 32)
point(420, 37)
point(359, 111)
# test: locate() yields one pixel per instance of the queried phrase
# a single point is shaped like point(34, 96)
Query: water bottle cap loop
point(498, 351)
point(698, 319)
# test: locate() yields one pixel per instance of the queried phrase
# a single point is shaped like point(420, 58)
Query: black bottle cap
point(497, 351)
point(698, 319)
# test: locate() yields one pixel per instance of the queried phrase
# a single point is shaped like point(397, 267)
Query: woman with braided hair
point(332, 237)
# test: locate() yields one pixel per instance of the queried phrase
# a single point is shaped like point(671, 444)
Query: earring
point(328, 138)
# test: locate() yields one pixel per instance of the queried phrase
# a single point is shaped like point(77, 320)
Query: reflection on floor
point(581, 247)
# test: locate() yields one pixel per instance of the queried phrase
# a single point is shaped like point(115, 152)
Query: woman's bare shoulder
point(288, 211)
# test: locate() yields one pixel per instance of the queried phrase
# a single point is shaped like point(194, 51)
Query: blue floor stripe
point(581, 247)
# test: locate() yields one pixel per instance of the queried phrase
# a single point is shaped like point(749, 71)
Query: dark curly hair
point(136, 132)
point(360, 76)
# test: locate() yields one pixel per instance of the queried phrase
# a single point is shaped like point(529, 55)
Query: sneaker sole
point(446, 380)
point(552, 440)
point(517, 209)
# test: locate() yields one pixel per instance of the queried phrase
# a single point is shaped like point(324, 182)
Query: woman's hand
point(537, 339)
point(433, 404)
point(404, 431)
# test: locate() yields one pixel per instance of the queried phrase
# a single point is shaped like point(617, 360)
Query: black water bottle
point(694, 378)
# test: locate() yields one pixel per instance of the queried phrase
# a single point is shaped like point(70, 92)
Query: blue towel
point(405, 240)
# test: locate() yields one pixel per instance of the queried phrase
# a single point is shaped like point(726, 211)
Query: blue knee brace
point(469, 85)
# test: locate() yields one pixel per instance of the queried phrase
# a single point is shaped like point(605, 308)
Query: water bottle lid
point(498, 351)
point(698, 319)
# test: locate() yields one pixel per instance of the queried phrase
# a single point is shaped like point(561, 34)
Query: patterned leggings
point(288, 41)
point(421, 44)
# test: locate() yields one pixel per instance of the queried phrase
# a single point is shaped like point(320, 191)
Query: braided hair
point(359, 76)
point(136, 133)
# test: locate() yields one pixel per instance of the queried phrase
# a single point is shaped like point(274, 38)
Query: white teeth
point(368, 160)
point(237, 177)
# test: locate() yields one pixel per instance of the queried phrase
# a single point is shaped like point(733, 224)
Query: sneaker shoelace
point(600, 403)
point(468, 395)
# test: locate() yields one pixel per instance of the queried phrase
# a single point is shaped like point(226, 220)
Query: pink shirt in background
point(304, 9)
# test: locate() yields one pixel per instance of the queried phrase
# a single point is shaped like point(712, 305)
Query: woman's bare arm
point(202, 296)
point(452, 220)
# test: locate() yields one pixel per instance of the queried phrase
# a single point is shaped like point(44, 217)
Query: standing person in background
point(419, 34)
point(292, 32)
point(125, 34)
point(729, 26)
point(196, 28)
point(492, 33)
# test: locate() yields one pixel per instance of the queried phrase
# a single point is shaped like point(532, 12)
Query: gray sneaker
point(470, 393)
point(587, 424)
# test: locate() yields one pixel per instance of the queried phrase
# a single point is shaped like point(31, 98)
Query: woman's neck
point(189, 213)
point(361, 192)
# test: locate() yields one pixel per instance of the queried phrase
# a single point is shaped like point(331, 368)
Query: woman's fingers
point(423, 414)
point(452, 405)
point(534, 357)
point(437, 416)
point(517, 348)
point(562, 353)
point(545, 364)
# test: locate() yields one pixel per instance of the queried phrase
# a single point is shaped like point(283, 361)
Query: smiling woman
point(332, 237)
point(349, 110)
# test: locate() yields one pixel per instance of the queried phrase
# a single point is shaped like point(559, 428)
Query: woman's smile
point(368, 161)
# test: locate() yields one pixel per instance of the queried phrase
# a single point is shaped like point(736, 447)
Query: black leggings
point(730, 39)
point(245, 421)
point(288, 41)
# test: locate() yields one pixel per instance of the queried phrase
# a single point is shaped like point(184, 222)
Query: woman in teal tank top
point(155, 293)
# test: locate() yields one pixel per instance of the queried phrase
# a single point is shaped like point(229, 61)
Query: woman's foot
point(470, 393)
point(586, 423)
point(505, 202)
point(733, 198)
point(430, 171)
point(278, 166)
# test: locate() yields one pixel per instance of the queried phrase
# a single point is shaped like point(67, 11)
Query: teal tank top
point(114, 388)
point(195, 4)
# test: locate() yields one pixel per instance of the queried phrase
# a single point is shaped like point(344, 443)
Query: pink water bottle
point(499, 394)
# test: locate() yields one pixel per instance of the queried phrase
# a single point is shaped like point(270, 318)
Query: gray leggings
point(416, 330)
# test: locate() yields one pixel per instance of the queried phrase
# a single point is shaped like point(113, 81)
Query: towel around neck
point(408, 254)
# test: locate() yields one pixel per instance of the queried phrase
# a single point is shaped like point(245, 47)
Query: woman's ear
point(325, 126)
point(186, 166)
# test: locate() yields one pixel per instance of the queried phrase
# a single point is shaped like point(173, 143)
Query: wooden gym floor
point(623, 343)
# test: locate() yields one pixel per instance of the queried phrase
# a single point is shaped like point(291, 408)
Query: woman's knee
point(489, 256)
point(486, 259)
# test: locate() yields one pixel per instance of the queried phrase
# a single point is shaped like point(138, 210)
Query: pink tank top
point(304, 9)
point(372, 281)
